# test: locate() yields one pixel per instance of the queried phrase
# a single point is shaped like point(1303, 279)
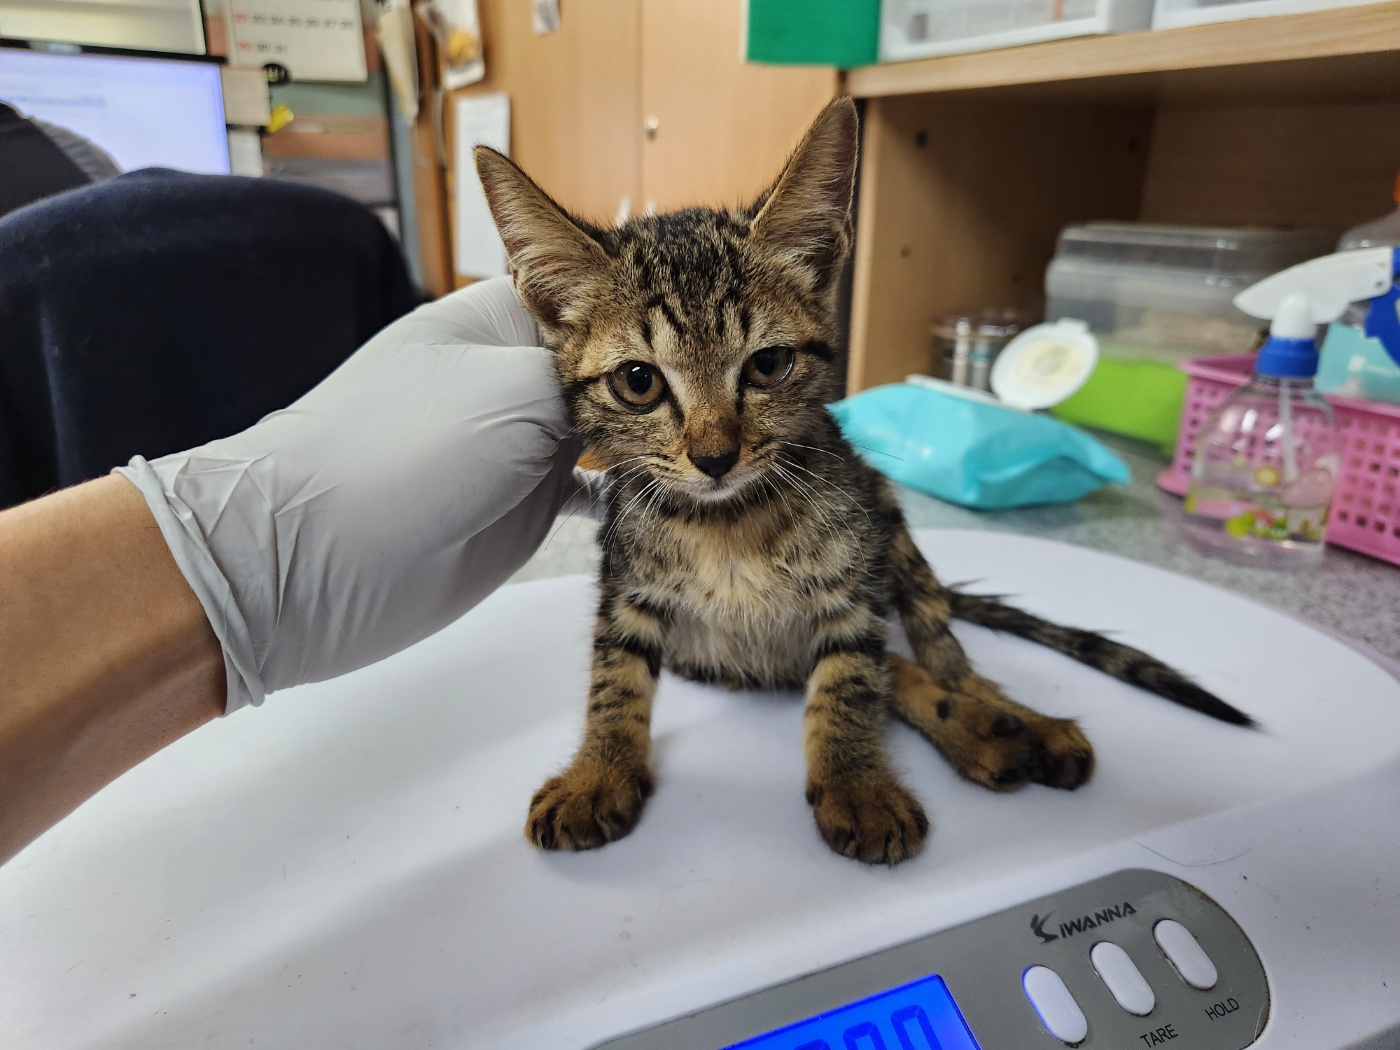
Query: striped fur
point(1103, 654)
point(781, 569)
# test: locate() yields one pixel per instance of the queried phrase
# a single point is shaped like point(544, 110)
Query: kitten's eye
point(637, 385)
point(769, 367)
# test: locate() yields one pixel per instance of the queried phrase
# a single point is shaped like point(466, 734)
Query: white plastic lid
point(1045, 364)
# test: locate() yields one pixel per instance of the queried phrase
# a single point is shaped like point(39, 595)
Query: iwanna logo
point(1079, 925)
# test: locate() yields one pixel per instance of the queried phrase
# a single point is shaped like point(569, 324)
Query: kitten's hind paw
point(988, 738)
point(588, 805)
point(1058, 754)
point(875, 821)
point(1064, 758)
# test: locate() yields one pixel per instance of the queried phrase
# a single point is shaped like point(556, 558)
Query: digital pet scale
point(346, 867)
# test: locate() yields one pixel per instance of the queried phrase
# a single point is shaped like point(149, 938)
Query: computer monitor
point(145, 111)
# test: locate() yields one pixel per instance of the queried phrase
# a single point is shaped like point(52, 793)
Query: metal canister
point(970, 342)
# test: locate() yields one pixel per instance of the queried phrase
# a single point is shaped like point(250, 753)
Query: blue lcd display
point(920, 1015)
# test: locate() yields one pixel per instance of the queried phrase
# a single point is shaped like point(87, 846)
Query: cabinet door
point(716, 129)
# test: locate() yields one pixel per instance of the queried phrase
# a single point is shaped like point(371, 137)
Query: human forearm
point(105, 653)
point(382, 505)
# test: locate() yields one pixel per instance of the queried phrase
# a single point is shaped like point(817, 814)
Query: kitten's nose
point(715, 466)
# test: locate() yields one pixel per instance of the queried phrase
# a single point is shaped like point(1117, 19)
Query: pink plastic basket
point(1366, 508)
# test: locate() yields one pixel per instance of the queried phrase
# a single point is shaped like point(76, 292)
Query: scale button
point(1057, 1009)
point(1186, 955)
point(1124, 980)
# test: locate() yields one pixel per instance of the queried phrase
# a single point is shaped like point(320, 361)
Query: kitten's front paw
point(875, 821)
point(588, 805)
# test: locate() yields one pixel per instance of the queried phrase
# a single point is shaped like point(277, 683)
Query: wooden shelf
point(972, 164)
point(1348, 52)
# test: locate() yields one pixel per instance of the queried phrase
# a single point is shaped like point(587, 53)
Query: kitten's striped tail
point(1103, 654)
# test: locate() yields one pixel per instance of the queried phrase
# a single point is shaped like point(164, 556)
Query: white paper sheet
point(544, 16)
point(456, 24)
point(314, 39)
point(400, 57)
point(480, 120)
point(246, 100)
point(245, 153)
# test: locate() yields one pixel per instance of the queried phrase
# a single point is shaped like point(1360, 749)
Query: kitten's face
point(703, 357)
point(694, 347)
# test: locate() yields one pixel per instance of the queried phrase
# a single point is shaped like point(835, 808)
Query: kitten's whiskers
point(617, 522)
point(833, 486)
point(813, 448)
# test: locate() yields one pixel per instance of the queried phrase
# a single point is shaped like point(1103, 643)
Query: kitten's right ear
point(556, 265)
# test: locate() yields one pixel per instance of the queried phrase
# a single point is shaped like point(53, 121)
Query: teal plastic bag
point(974, 453)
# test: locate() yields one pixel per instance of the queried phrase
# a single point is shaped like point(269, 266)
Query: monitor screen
point(145, 112)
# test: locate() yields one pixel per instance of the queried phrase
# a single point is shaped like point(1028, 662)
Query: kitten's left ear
point(807, 212)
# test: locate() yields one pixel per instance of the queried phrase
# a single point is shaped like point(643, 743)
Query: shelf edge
point(1369, 29)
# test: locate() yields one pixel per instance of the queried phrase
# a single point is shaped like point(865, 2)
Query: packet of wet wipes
point(973, 451)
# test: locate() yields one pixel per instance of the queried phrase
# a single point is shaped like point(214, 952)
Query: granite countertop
point(1349, 594)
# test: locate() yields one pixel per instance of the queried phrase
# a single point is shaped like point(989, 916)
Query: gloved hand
point(380, 506)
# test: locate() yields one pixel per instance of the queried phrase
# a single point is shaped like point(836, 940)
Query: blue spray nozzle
point(1383, 318)
point(1287, 358)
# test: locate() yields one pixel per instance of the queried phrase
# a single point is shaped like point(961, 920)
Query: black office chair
point(32, 165)
point(159, 310)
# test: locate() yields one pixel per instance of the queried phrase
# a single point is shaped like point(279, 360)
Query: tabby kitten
point(744, 542)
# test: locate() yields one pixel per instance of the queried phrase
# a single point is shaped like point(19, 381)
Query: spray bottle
point(1267, 458)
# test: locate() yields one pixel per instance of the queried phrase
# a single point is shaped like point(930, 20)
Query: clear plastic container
point(1378, 233)
point(1153, 295)
point(925, 28)
point(1381, 233)
point(1264, 472)
point(1161, 293)
point(1173, 14)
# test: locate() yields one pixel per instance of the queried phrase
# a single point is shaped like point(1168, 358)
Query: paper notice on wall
point(313, 39)
point(544, 16)
point(245, 153)
point(479, 120)
point(400, 55)
point(246, 101)
point(456, 25)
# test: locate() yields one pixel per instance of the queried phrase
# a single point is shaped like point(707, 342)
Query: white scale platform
point(345, 867)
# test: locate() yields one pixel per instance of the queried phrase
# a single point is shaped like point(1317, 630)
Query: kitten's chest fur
point(744, 593)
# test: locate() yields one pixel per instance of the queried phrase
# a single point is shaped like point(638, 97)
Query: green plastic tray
point(1140, 399)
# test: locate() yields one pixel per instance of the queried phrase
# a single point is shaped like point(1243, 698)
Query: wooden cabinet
point(633, 103)
point(575, 122)
point(973, 163)
point(717, 129)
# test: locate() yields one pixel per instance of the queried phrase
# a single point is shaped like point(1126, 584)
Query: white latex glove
point(382, 505)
